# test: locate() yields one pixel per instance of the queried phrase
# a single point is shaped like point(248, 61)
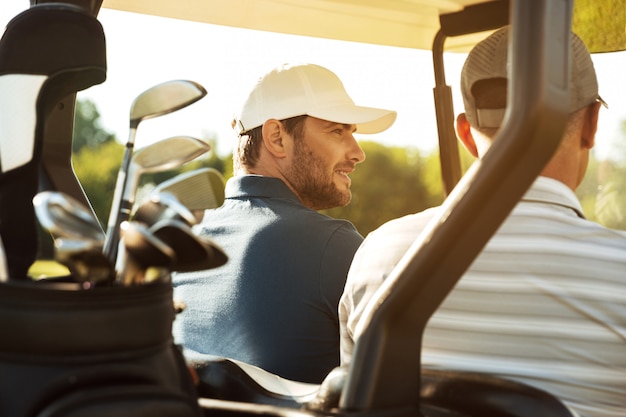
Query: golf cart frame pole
point(448, 148)
point(393, 323)
point(472, 19)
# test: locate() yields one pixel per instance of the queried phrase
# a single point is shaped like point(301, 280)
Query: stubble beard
point(309, 177)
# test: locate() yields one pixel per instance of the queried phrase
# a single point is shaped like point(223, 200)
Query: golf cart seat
point(443, 393)
point(232, 380)
point(47, 54)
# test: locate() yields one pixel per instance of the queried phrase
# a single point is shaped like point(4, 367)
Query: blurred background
point(401, 174)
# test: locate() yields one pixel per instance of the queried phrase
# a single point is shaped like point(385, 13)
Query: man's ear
point(464, 133)
point(590, 126)
point(273, 135)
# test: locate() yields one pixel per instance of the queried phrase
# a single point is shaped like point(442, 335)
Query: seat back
point(477, 394)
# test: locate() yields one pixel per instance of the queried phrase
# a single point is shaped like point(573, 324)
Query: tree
point(88, 130)
point(97, 161)
point(603, 191)
point(97, 169)
point(392, 182)
point(96, 157)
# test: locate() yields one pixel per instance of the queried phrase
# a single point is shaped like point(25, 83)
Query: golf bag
point(104, 352)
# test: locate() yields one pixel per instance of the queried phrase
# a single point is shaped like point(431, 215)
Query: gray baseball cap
point(488, 60)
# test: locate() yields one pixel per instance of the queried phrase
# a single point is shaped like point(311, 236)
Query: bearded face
point(314, 180)
point(322, 160)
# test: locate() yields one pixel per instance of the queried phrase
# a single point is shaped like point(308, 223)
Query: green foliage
point(600, 24)
point(392, 182)
point(97, 169)
point(88, 131)
point(603, 193)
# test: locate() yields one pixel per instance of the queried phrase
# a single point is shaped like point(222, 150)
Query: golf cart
point(108, 351)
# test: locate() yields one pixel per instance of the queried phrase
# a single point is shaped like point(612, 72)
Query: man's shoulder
point(318, 223)
point(411, 223)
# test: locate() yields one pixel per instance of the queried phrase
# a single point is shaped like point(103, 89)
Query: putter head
point(165, 98)
point(198, 190)
point(193, 253)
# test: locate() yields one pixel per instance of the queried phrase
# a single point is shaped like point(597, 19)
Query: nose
point(355, 152)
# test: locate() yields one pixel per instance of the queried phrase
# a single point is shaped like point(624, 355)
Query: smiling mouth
point(345, 175)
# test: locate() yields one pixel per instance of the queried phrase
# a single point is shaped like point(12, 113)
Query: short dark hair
point(248, 149)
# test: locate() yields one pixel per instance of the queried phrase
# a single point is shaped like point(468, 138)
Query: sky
point(143, 51)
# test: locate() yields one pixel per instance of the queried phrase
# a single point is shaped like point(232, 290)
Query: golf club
point(65, 217)
point(140, 251)
point(163, 155)
point(161, 99)
point(84, 259)
point(193, 253)
point(160, 206)
point(198, 190)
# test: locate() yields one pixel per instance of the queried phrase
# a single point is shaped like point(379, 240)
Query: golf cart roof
point(408, 23)
point(401, 23)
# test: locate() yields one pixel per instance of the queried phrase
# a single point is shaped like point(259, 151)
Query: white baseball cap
point(307, 89)
point(488, 60)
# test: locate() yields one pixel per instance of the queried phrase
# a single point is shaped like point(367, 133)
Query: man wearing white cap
point(274, 304)
point(543, 303)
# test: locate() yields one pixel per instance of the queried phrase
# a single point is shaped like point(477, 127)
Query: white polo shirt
point(543, 304)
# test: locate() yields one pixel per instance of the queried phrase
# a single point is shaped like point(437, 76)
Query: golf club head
point(84, 259)
point(161, 206)
point(65, 217)
point(163, 155)
point(165, 98)
point(156, 101)
point(169, 153)
point(160, 156)
point(193, 253)
point(198, 190)
point(141, 250)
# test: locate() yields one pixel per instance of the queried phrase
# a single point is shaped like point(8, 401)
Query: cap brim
point(367, 119)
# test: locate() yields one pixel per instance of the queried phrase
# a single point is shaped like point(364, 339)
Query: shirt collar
point(551, 191)
point(258, 186)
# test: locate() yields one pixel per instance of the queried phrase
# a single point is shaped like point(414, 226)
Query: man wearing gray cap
point(543, 303)
point(274, 304)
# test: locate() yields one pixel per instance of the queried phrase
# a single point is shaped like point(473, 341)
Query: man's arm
point(372, 263)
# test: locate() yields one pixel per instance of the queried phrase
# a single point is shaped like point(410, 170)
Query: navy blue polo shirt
point(274, 303)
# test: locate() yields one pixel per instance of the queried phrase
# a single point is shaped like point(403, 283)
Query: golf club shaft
point(4, 271)
point(156, 101)
point(117, 212)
